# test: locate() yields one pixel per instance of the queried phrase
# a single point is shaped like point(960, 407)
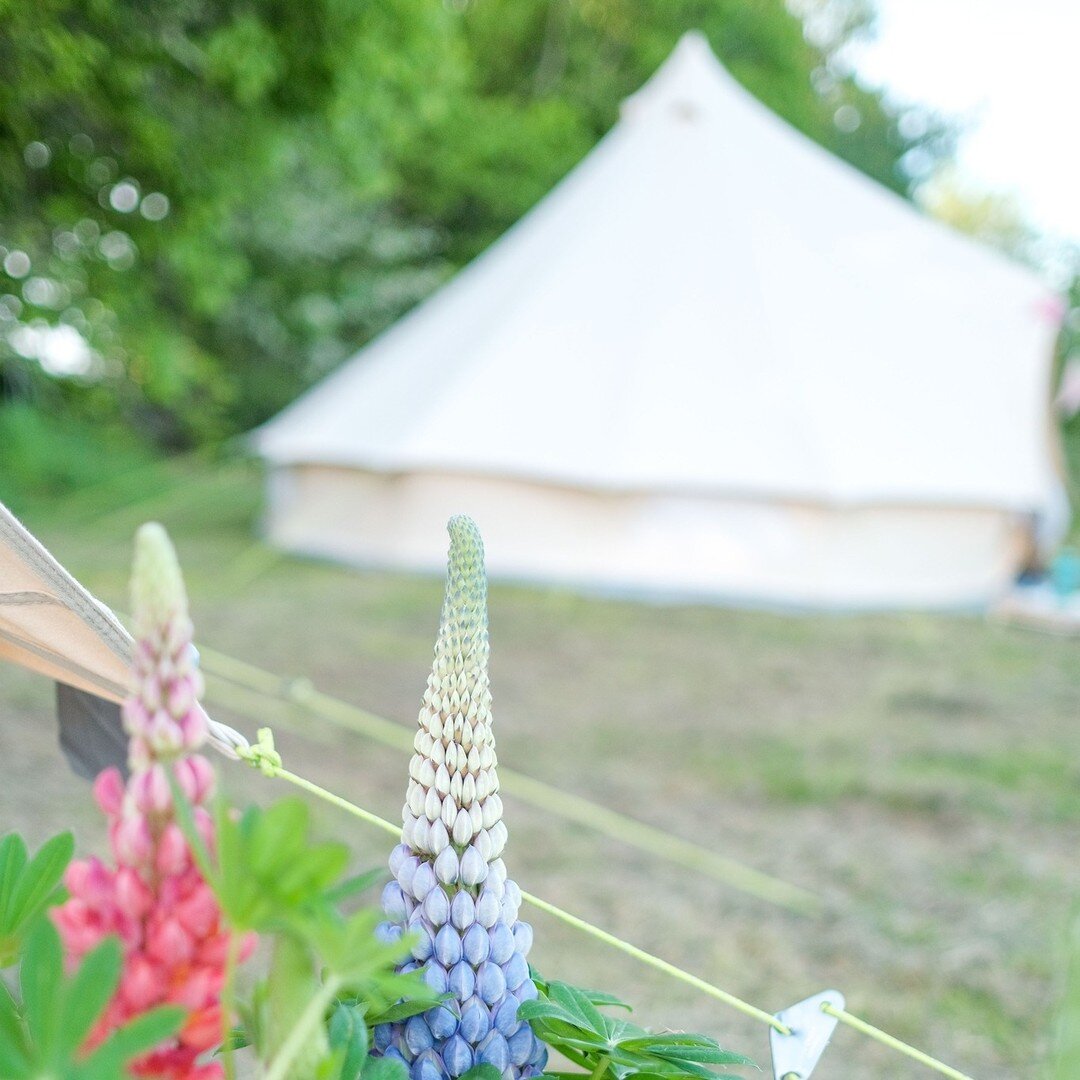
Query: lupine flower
point(156, 900)
point(450, 886)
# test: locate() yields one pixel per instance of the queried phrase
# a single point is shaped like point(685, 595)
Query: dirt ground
point(918, 772)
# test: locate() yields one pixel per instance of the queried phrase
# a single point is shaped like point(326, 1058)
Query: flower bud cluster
point(156, 901)
point(450, 887)
point(162, 716)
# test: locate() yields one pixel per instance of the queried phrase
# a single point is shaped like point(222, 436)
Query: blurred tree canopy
point(207, 204)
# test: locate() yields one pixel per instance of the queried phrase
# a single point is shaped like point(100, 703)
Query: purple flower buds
point(457, 1056)
point(473, 867)
point(448, 946)
point(494, 1051)
point(446, 866)
point(490, 982)
point(462, 910)
point(450, 887)
point(475, 1021)
point(502, 942)
point(426, 1067)
point(475, 944)
point(437, 906)
point(462, 981)
point(487, 908)
point(418, 1037)
point(523, 937)
point(393, 901)
point(442, 1022)
point(515, 971)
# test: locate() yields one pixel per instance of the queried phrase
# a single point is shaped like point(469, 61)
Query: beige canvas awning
point(52, 625)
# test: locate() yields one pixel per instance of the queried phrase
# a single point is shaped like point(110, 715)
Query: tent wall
point(790, 553)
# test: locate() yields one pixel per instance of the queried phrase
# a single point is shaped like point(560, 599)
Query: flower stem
point(309, 1019)
point(228, 1004)
point(601, 1068)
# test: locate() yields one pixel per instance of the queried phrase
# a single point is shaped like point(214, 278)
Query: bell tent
point(715, 361)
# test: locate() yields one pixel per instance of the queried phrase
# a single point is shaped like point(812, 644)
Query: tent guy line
point(264, 757)
point(85, 629)
point(544, 796)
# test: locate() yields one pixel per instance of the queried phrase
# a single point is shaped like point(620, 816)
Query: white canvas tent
point(715, 360)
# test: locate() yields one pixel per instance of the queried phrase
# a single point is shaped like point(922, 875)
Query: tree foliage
point(205, 206)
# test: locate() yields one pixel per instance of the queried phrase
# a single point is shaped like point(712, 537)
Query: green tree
point(205, 206)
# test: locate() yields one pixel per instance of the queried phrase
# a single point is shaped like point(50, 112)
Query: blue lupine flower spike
point(450, 885)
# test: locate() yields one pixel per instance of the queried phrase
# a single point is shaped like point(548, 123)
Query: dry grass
point(918, 772)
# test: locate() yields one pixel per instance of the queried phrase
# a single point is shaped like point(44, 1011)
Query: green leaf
point(13, 856)
point(577, 1003)
point(348, 1032)
point(355, 885)
point(708, 1055)
point(567, 1019)
point(482, 1072)
point(384, 1069)
point(40, 879)
point(40, 978)
point(648, 1063)
point(278, 835)
point(645, 1075)
point(312, 871)
point(238, 1039)
point(131, 1041)
point(14, 1051)
point(87, 994)
point(402, 1010)
point(598, 997)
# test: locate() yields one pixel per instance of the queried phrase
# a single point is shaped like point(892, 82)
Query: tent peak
point(688, 83)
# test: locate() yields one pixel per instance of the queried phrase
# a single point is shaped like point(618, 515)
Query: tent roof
point(710, 302)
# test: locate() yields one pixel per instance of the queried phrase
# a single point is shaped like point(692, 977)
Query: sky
point(1007, 69)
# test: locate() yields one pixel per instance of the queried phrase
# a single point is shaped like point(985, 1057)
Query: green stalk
point(228, 1005)
point(601, 1068)
point(309, 1019)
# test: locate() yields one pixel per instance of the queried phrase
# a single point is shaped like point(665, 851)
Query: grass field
point(918, 772)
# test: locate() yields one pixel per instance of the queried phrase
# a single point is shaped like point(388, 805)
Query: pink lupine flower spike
point(175, 944)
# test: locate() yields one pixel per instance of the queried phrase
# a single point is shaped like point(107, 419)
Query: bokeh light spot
point(17, 264)
point(155, 206)
point(37, 155)
point(124, 196)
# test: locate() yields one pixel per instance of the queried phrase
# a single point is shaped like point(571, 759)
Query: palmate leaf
point(27, 886)
point(355, 885)
point(40, 879)
point(677, 1046)
point(268, 871)
point(351, 951)
point(137, 1037)
point(598, 997)
point(568, 1019)
point(60, 1012)
point(482, 1072)
point(86, 995)
point(13, 857)
point(645, 1075)
point(402, 1010)
point(14, 1048)
point(577, 1005)
point(634, 1063)
point(385, 1069)
point(39, 979)
point(349, 1034)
